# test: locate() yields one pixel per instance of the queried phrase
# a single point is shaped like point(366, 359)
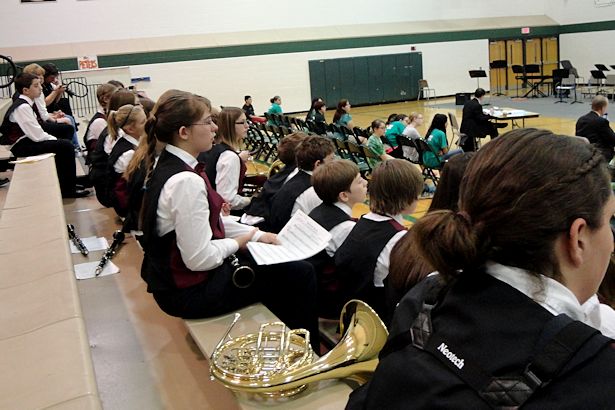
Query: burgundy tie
point(38, 114)
point(219, 226)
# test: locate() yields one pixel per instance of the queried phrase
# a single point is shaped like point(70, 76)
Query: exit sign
point(525, 30)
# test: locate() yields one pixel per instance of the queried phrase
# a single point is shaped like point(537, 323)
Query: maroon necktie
point(37, 114)
point(214, 200)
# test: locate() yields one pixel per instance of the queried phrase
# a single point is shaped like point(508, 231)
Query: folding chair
point(358, 156)
point(461, 137)
point(428, 172)
point(425, 90)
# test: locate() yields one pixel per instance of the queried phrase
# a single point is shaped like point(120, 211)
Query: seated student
point(53, 91)
point(248, 109)
point(415, 120)
point(99, 158)
point(407, 267)
point(436, 139)
point(297, 193)
point(276, 102)
point(225, 163)
point(55, 124)
point(340, 186)
point(187, 243)
point(98, 122)
point(259, 209)
point(475, 123)
point(311, 115)
point(511, 287)
point(126, 126)
point(21, 129)
point(395, 128)
point(342, 115)
point(362, 261)
point(375, 144)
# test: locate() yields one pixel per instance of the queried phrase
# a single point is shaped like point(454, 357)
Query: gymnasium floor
point(145, 359)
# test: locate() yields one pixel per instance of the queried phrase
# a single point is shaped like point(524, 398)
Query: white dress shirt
point(228, 168)
point(26, 119)
point(340, 232)
point(556, 298)
point(183, 208)
point(96, 127)
point(42, 108)
point(122, 162)
point(382, 263)
point(308, 200)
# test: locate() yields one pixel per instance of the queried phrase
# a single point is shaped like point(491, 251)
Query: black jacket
point(598, 131)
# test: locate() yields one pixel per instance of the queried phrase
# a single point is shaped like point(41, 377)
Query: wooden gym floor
point(146, 359)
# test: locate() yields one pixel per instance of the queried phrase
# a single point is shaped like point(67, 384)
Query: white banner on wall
point(87, 62)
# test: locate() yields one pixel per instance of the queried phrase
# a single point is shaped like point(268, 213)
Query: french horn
point(278, 362)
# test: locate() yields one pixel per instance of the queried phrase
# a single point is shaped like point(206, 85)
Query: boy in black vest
point(21, 128)
point(340, 186)
point(363, 259)
point(297, 193)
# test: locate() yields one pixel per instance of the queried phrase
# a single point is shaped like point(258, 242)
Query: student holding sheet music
point(187, 243)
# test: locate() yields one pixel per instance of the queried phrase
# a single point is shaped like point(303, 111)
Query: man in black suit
point(475, 123)
point(596, 128)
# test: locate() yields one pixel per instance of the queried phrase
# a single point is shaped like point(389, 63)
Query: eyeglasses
point(244, 122)
point(207, 121)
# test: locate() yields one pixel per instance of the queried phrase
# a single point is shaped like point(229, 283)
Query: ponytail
point(448, 242)
point(112, 125)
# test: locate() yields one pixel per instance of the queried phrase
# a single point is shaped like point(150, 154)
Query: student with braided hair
point(188, 244)
point(506, 322)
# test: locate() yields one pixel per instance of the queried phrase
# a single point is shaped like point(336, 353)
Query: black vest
point(210, 159)
point(11, 131)
point(91, 143)
point(357, 257)
point(98, 168)
point(491, 326)
point(261, 203)
point(111, 177)
point(283, 202)
point(329, 216)
point(163, 268)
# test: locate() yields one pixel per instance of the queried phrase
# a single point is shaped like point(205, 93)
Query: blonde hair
point(104, 92)
point(35, 69)
point(125, 115)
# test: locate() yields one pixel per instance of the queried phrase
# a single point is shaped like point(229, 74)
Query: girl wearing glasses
point(225, 163)
point(188, 244)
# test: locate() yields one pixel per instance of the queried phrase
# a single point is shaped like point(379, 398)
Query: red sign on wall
point(87, 62)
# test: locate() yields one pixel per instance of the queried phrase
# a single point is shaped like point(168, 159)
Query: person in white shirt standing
point(22, 130)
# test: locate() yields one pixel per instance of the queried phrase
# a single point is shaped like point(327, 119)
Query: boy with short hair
point(340, 186)
point(363, 259)
point(297, 193)
point(21, 128)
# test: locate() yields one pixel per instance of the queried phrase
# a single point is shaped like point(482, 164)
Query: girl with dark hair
point(225, 163)
point(342, 115)
point(436, 139)
point(517, 265)
point(188, 244)
point(312, 112)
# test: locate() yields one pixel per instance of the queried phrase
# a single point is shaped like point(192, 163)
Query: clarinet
point(76, 240)
point(118, 238)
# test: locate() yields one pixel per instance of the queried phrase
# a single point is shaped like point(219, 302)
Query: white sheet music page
point(300, 238)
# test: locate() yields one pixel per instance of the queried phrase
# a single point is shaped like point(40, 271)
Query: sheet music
point(88, 270)
point(93, 243)
point(34, 158)
point(300, 238)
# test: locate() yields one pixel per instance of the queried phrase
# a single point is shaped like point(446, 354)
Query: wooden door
point(514, 50)
point(497, 76)
point(550, 55)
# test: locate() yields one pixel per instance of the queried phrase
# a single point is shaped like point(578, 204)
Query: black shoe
point(4, 181)
point(79, 193)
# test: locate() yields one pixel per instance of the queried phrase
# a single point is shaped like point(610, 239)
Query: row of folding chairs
point(262, 140)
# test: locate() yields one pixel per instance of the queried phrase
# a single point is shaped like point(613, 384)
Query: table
point(510, 114)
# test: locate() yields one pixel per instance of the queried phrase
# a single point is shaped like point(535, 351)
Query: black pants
point(64, 157)
point(287, 289)
point(59, 130)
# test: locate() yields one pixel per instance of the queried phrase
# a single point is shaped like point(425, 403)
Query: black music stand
point(558, 77)
point(602, 67)
point(531, 68)
point(517, 70)
point(497, 65)
point(478, 74)
point(599, 75)
point(613, 67)
point(566, 64)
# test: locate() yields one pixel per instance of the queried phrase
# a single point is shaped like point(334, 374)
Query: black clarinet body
point(118, 238)
point(76, 240)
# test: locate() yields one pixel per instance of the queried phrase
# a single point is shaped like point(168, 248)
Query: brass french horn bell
point(280, 363)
